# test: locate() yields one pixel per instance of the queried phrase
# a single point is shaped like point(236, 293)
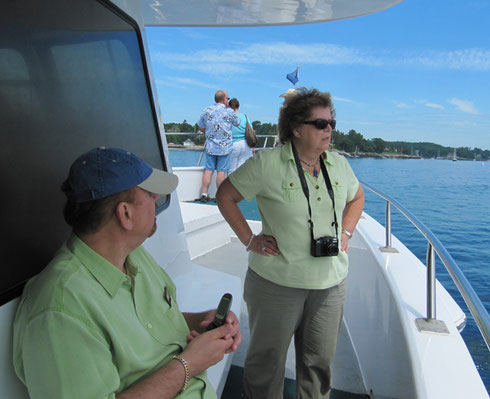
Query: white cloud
point(231, 61)
point(402, 105)
point(465, 106)
point(432, 105)
point(183, 82)
point(235, 59)
point(315, 53)
point(211, 68)
point(345, 100)
point(473, 59)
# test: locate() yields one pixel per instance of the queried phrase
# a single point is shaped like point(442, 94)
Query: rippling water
point(450, 198)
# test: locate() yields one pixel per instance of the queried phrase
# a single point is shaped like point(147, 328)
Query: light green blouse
point(271, 176)
point(84, 329)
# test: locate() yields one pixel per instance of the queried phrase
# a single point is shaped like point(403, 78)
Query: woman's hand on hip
point(344, 242)
point(265, 245)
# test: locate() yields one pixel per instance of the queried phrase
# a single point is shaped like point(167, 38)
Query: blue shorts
point(221, 163)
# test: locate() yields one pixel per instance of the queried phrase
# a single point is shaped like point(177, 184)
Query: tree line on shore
point(350, 142)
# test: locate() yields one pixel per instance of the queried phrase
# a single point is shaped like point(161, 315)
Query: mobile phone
point(221, 312)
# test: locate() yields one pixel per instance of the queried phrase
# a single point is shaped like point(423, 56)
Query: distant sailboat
point(455, 157)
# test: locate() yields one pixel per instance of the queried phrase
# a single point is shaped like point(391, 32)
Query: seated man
point(101, 320)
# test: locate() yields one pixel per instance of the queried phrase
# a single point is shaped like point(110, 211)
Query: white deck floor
point(204, 223)
point(385, 296)
point(232, 258)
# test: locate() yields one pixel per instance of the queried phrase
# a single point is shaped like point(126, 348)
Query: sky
point(416, 72)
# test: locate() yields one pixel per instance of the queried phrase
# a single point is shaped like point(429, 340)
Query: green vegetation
point(345, 142)
point(183, 127)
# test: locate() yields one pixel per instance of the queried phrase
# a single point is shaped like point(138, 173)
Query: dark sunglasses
point(321, 124)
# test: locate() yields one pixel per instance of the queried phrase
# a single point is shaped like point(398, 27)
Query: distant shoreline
point(344, 153)
point(186, 147)
point(376, 155)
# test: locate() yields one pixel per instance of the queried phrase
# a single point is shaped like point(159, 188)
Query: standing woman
point(295, 283)
point(241, 151)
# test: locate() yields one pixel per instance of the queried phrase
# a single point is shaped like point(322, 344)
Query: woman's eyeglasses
point(321, 124)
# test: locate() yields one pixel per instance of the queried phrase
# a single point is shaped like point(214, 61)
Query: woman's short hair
point(298, 108)
point(234, 103)
point(90, 216)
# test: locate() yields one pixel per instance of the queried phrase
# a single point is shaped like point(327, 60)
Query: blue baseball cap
point(105, 171)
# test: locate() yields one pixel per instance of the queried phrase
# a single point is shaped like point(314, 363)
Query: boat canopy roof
point(251, 12)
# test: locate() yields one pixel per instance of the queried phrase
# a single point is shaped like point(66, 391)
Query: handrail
point(469, 295)
point(202, 134)
point(267, 136)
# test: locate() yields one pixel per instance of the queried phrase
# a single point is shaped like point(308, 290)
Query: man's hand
point(202, 352)
point(207, 349)
point(231, 320)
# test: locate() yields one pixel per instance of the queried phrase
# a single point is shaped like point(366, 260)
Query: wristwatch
point(347, 233)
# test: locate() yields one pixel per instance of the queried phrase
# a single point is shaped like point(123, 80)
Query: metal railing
point(469, 295)
point(268, 139)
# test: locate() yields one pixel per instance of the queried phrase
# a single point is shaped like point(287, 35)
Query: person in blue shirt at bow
point(216, 122)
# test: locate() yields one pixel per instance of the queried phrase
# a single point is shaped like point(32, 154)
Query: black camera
point(325, 246)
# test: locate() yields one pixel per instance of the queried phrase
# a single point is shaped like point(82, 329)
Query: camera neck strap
point(306, 191)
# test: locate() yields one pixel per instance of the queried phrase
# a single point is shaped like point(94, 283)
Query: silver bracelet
point(347, 233)
point(250, 242)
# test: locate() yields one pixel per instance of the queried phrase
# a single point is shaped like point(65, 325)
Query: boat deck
point(219, 259)
point(232, 258)
point(379, 348)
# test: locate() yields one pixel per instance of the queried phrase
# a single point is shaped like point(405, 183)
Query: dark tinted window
point(72, 77)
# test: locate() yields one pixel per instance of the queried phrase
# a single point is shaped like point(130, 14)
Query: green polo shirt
point(272, 178)
point(84, 329)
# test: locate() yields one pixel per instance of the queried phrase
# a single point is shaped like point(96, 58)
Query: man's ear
point(125, 215)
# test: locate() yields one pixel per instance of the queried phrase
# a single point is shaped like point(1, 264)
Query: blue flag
point(293, 76)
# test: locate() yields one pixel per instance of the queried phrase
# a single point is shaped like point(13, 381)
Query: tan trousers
point(276, 313)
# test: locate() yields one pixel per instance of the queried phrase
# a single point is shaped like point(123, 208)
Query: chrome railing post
point(388, 247)
point(388, 224)
point(475, 305)
point(431, 283)
point(431, 324)
point(202, 152)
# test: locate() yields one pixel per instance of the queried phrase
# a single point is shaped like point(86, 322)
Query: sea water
point(451, 198)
